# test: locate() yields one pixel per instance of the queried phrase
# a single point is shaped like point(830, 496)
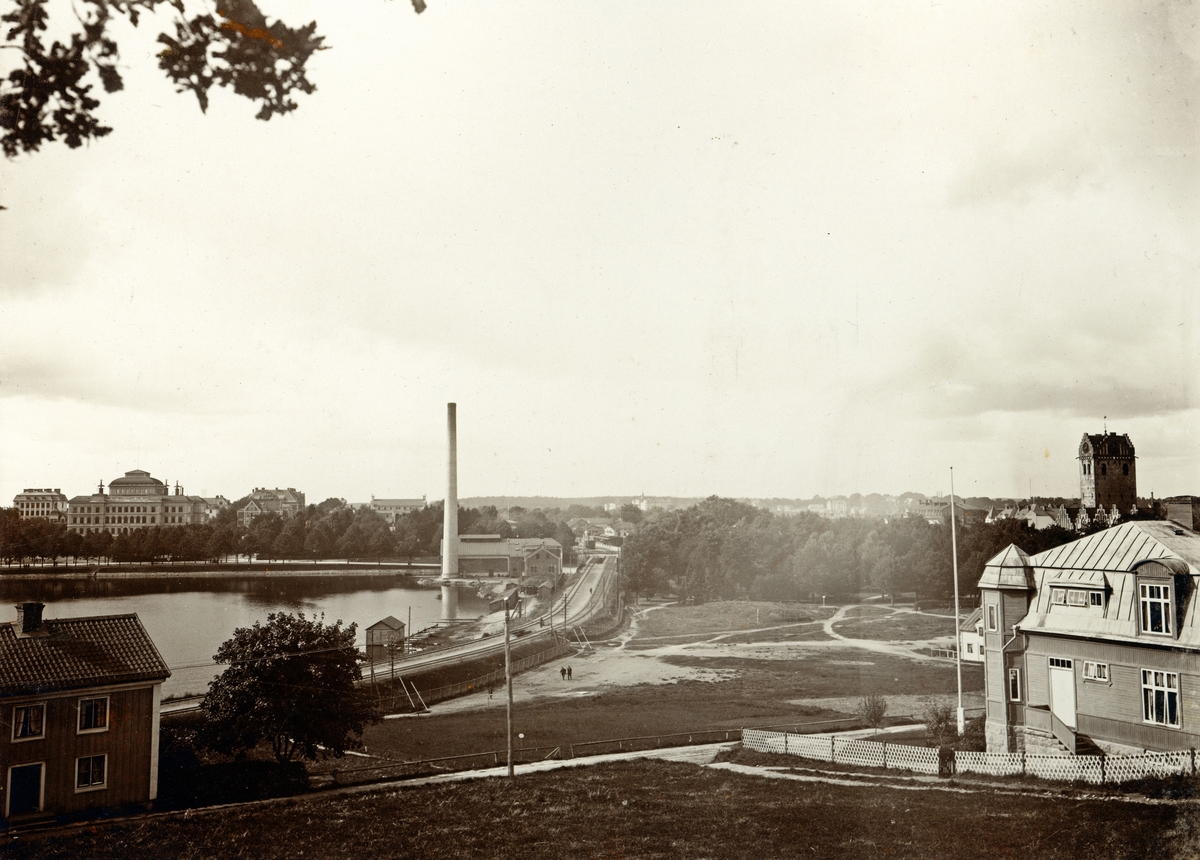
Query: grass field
point(901, 626)
point(645, 810)
point(726, 615)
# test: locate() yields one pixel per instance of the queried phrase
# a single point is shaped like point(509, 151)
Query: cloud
point(1096, 93)
point(949, 379)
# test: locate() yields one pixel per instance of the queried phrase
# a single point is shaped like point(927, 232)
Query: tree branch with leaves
point(50, 95)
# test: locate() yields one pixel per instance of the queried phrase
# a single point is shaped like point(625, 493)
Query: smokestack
point(450, 515)
point(450, 518)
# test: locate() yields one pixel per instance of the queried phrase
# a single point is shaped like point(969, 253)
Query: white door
point(1062, 689)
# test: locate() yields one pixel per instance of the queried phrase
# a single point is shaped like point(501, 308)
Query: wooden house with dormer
point(1095, 643)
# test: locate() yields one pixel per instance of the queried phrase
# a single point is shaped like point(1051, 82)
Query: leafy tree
point(49, 95)
point(631, 513)
point(291, 682)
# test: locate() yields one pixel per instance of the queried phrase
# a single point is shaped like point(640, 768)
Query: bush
point(871, 710)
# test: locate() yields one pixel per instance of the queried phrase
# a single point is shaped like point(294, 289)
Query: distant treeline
point(722, 549)
point(328, 530)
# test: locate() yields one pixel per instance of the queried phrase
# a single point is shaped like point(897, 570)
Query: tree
point(291, 682)
point(49, 95)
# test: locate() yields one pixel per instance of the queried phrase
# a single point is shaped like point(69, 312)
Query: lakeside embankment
point(200, 569)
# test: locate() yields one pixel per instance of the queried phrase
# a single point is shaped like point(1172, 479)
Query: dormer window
point(1156, 608)
point(1077, 597)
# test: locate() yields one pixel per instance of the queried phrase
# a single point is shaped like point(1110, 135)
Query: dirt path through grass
point(637, 656)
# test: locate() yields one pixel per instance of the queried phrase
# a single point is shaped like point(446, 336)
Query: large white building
point(390, 509)
point(42, 504)
point(135, 501)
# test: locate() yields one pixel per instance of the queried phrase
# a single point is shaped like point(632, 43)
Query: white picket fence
point(1091, 769)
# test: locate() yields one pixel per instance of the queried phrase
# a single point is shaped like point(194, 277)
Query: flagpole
point(962, 722)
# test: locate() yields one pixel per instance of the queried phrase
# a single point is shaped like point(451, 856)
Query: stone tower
point(1107, 472)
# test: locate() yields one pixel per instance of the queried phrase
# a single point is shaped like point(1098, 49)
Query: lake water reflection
point(189, 617)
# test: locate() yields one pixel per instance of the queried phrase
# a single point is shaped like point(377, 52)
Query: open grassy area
point(624, 712)
point(644, 810)
point(725, 615)
point(832, 672)
point(898, 627)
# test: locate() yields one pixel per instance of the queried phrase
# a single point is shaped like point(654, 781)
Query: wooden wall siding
point(1016, 607)
point(127, 744)
point(1114, 710)
point(1155, 738)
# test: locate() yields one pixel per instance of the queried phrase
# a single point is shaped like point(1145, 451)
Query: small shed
point(385, 637)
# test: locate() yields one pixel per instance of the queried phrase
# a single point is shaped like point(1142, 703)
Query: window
point(1160, 697)
point(1076, 597)
point(1058, 596)
point(1061, 663)
point(992, 618)
point(93, 714)
point(970, 648)
point(90, 772)
point(29, 721)
point(1156, 608)
point(1103, 468)
point(1096, 598)
point(1095, 671)
point(1014, 685)
point(1125, 469)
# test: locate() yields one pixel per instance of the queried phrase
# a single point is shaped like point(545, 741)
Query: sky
point(764, 250)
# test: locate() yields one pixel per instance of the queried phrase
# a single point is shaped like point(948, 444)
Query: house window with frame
point(1075, 597)
point(91, 772)
point(1096, 598)
point(1014, 685)
point(991, 614)
point(1160, 697)
point(1156, 608)
point(29, 722)
point(1095, 671)
point(1058, 596)
point(93, 714)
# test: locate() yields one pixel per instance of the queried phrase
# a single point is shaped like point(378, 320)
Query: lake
point(188, 617)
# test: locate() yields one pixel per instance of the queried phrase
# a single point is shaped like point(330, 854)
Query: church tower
point(1107, 472)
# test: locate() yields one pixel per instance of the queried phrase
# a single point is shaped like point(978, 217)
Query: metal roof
point(1009, 569)
point(1118, 548)
point(1112, 557)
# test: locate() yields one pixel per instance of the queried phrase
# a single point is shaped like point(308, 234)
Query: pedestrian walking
point(563, 672)
point(568, 673)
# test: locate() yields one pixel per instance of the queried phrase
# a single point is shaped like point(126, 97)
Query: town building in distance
point(136, 501)
point(390, 509)
point(1107, 472)
point(287, 503)
point(45, 504)
point(492, 555)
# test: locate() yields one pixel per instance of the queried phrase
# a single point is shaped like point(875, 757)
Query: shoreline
point(255, 570)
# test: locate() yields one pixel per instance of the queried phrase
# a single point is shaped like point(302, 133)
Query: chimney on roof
point(29, 617)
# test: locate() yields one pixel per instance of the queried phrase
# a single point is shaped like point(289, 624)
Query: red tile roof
point(78, 652)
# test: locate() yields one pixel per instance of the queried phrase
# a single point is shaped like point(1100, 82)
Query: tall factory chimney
point(450, 520)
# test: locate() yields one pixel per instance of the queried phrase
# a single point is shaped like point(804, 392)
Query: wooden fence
point(1093, 769)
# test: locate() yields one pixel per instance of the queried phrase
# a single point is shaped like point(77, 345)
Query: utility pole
point(508, 682)
point(962, 722)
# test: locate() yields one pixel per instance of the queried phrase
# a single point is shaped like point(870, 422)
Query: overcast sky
point(674, 248)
